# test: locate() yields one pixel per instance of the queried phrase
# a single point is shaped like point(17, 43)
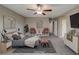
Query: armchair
point(32, 31)
point(45, 31)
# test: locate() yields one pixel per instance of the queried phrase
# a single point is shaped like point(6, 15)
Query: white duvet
point(31, 41)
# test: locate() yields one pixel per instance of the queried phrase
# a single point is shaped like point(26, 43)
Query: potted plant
point(26, 28)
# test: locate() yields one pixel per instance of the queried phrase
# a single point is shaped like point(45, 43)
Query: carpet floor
point(38, 49)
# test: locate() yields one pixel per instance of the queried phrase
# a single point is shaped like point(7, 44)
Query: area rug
point(38, 49)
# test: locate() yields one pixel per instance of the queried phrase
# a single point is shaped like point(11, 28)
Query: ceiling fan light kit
point(39, 10)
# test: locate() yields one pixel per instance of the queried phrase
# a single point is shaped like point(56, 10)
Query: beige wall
point(32, 22)
point(6, 12)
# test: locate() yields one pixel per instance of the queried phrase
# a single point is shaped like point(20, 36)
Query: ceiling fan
point(39, 10)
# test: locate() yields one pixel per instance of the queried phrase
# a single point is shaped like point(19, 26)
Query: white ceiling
point(58, 9)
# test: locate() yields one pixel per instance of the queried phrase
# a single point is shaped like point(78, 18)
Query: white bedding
point(31, 41)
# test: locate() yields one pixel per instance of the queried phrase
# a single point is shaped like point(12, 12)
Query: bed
point(26, 40)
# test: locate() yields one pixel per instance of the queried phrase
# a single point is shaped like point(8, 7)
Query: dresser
point(73, 43)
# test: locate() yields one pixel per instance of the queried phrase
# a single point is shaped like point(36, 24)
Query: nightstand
point(5, 46)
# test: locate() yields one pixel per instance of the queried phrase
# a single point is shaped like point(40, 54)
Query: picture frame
point(9, 22)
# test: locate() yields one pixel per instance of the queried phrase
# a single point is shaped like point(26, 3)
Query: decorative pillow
point(15, 33)
point(9, 36)
point(16, 37)
point(21, 35)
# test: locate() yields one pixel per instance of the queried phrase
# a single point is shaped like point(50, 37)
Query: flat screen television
point(74, 20)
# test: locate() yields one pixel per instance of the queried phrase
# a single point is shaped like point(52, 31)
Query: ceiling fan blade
point(35, 13)
point(31, 9)
point(48, 10)
point(43, 13)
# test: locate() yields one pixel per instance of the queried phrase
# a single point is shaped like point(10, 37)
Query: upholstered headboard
point(10, 32)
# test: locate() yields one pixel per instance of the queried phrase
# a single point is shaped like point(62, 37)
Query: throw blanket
point(31, 41)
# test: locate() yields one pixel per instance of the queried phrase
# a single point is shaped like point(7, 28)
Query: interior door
point(55, 28)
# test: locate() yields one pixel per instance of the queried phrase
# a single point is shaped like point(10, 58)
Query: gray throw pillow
point(16, 37)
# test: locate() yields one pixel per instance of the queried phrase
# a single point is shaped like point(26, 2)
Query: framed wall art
point(9, 22)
